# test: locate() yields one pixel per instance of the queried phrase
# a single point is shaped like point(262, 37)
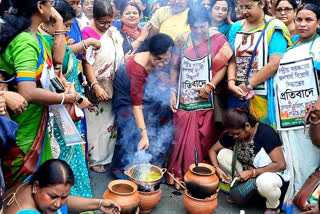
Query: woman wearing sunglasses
point(100, 76)
point(258, 155)
point(259, 42)
point(285, 11)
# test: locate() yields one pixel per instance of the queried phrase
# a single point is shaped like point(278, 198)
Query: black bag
point(90, 93)
point(241, 191)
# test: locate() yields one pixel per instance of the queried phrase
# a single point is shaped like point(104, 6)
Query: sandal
point(98, 168)
point(272, 211)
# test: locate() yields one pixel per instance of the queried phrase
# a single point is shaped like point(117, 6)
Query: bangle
point(232, 80)
point(253, 172)
point(61, 33)
point(216, 166)
point(212, 85)
point(63, 97)
point(174, 90)
point(100, 204)
point(207, 90)
point(84, 45)
point(93, 83)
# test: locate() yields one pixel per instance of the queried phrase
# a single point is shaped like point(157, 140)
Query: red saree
point(196, 129)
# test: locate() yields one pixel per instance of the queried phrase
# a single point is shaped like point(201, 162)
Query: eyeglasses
point(235, 136)
point(247, 7)
point(164, 61)
point(102, 24)
point(285, 10)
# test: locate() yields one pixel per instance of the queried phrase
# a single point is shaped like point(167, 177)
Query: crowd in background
point(106, 84)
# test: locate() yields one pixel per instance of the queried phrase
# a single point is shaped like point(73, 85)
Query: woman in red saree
point(199, 65)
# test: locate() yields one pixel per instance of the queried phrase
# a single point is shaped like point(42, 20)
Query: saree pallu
point(196, 129)
point(157, 116)
point(261, 106)
point(32, 142)
point(74, 155)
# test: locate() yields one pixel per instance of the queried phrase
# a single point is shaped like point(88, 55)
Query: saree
point(274, 42)
point(102, 132)
point(26, 58)
point(301, 155)
point(74, 154)
point(157, 116)
point(170, 24)
point(129, 35)
point(196, 129)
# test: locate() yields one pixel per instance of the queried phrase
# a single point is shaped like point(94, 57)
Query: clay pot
point(134, 170)
point(201, 181)
point(124, 193)
point(148, 200)
point(200, 206)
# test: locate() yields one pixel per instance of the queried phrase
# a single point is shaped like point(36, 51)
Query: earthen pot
point(148, 200)
point(200, 206)
point(124, 193)
point(201, 181)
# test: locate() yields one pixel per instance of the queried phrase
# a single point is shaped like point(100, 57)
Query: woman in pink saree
point(198, 66)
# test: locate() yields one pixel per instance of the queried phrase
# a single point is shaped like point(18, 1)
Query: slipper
point(98, 168)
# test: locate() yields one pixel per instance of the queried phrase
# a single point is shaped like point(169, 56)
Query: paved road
point(172, 200)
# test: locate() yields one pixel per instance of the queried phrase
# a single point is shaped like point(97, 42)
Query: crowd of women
point(95, 83)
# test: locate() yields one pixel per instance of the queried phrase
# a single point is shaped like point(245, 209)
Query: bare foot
point(98, 168)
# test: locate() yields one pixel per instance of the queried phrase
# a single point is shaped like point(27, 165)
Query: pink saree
point(196, 129)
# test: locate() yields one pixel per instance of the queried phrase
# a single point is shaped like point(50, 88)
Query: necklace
point(45, 30)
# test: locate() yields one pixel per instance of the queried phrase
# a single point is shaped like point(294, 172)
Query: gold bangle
point(100, 204)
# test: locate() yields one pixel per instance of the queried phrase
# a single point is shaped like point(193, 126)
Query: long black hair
point(53, 172)
point(18, 20)
point(65, 10)
point(237, 118)
point(157, 44)
point(99, 9)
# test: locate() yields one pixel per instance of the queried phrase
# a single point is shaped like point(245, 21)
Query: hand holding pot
point(109, 207)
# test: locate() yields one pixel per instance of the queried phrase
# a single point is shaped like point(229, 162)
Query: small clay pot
point(124, 193)
point(200, 206)
point(201, 181)
point(148, 200)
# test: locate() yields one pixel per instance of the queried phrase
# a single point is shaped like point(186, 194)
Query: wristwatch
point(80, 100)
point(247, 83)
point(141, 129)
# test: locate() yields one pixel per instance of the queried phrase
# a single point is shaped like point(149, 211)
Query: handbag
point(90, 93)
point(71, 108)
point(301, 199)
point(241, 191)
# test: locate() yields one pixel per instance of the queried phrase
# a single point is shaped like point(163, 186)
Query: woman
point(87, 13)
point(101, 140)
point(141, 108)
point(258, 154)
point(102, 20)
point(220, 11)
point(194, 115)
point(302, 156)
point(72, 154)
point(132, 34)
point(285, 11)
point(243, 37)
point(144, 6)
point(48, 192)
point(27, 54)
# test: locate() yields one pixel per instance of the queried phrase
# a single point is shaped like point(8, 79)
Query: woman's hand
point(84, 104)
point(222, 175)
point(173, 102)
point(94, 42)
point(203, 95)
point(145, 32)
point(15, 102)
point(312, 209)
point(55, 15)
point(245, 175)
point(144, 143)
point(3, 109)
point(237, 91)
point(109, 207)
point(100, 93)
